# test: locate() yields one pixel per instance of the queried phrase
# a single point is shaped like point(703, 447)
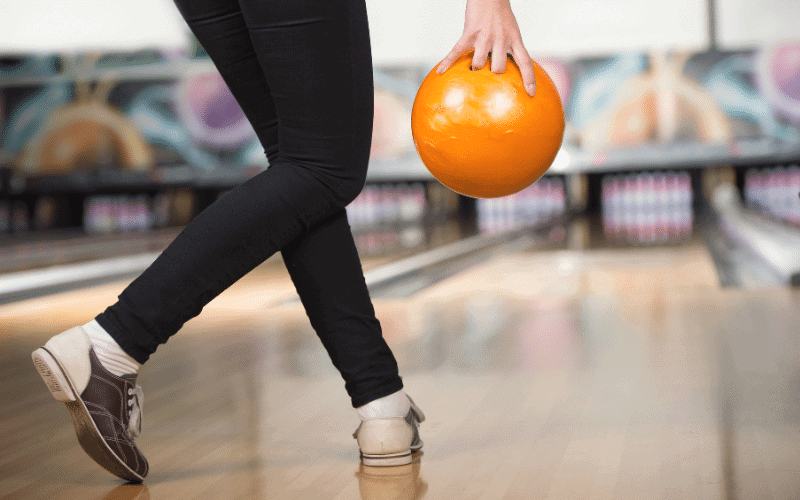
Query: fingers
point(481, 54)
point(479, 58)
point(463, 45)
point(525, 65)
point(498, 46)
point(499, 56)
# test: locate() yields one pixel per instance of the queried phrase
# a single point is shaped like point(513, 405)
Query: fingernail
point(531, 89)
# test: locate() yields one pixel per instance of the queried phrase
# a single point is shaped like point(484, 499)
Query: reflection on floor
point(559, 374)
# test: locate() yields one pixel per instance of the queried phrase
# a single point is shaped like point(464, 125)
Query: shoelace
point(135, 413)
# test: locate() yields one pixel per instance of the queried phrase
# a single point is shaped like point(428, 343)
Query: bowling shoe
point(390, 440)
point(106, 409)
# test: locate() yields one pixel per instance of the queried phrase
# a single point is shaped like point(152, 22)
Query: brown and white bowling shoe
point(390, 441)
point(106, 409)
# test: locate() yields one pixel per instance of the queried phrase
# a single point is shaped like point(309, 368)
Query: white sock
point(110, 354)
point(393, 405)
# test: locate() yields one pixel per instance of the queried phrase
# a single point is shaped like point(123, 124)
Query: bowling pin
point(522, 206)
point(751, 185)
point(748, 188)
point(403, 199)
point(785, 190)
point(358, 211)
point(548, 207)
point(658, 207)
point(101, 209)
point(364, 210)
point(371, 209)
point(494, 214)
point(686, 195)
point(392, 203)
point(480, 212)
point(640, 209)
point(608, 205)
point(794, 194)
point(561, 199)
point(144, 215)
point(617, 213)
point(759, 190)
point(5, 217)
point(103, 214)
point(508, 212)
point(768, 191)
point(352, 213)
point(124, 213)
point(648, 229)
point(88, 215)
point(631, 215)
point(499, 210)
point(480, 215)
point(20, 218)
point(355, 209)
point(534, 202)
point(160, 207)
point(420, 201)
point(383, 201)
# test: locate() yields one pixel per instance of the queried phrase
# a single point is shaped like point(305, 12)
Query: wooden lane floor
point(623, 374)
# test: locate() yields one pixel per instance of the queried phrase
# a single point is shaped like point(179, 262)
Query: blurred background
point(643, 289)
point(112, 127)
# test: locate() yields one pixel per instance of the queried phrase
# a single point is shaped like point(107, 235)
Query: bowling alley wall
point(133, 141)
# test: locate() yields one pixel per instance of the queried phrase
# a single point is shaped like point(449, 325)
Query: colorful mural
point(153, 108)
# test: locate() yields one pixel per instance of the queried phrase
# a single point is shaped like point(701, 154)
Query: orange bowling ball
point(481, 134)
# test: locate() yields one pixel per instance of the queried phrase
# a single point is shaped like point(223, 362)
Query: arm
point(490, 26)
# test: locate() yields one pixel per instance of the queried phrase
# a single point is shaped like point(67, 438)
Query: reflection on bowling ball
point(481, 134)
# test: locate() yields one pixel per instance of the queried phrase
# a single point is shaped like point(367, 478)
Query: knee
point(353, 165)
point(350, 189)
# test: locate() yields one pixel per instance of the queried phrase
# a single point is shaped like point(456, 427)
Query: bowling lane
point(595, 373)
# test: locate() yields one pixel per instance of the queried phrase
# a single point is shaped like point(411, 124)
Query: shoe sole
point(61, 387)
point(402, 458)
point(389, 459)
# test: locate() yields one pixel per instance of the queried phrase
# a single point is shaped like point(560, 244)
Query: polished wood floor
point(626, 374)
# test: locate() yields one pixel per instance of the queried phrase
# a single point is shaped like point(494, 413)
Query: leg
point(302, 74)
point(327, 274)
point(330, 41)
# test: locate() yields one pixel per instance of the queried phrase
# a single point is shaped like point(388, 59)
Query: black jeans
point(302, 72)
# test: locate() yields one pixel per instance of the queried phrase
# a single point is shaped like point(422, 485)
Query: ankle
point(393, 405)
point(111, 355)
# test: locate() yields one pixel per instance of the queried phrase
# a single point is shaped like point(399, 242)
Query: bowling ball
point(481, 134)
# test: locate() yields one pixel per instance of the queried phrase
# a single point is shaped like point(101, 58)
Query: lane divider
point(22, 285)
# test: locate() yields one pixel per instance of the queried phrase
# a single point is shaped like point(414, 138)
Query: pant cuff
point(363, 399)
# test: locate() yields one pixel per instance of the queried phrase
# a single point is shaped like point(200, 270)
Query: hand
point(490, 26)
